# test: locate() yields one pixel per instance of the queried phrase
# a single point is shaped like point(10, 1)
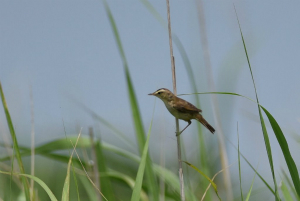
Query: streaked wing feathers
point(184, 106)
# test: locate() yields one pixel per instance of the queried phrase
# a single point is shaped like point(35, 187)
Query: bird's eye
point(158, 92)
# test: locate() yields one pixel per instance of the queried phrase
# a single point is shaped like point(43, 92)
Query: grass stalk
point(105, 182)
point(264, 130)
point(214, 102)
point(180, 171)
point(140, 133)
point(239, 161)
point(15, 144)
point(95, 166)
point(32, 146)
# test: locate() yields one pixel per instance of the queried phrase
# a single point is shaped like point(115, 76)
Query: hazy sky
point(65, 51)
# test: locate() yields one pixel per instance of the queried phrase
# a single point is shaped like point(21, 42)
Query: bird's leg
point(178, 133)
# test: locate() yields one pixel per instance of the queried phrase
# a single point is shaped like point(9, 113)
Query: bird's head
point(164, 94)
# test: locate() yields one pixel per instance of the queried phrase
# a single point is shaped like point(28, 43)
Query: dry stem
point(175, 92)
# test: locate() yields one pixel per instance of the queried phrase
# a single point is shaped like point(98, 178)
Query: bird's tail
point(205, 123)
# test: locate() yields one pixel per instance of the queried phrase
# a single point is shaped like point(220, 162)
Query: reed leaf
point(106, 187)
point(285, 150)
point(206, 177)
point(37, 180)
point(140, 134)
point(15, 144)
point(140, 174)
point(250, 190)
point(286, 193)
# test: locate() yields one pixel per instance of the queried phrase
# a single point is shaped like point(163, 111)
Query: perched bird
point(181, 109)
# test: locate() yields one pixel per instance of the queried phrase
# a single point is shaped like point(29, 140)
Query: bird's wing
point(184, 106)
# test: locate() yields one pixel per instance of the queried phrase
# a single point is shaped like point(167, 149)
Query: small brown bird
point(181, 109)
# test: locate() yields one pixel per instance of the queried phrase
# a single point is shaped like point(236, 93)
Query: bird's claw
point(178, 133)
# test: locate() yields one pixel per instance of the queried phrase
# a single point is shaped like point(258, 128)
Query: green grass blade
point(169, 177)
point(62, 144)
point(263, 180)
point(285, 150)
point(250, 190)
point(45, 150)
point(15, 144)
point(239, 162)
point(221, 93)
point(290, 184)
point(140, 134)
point(89, 189)
point(154, 12)
point(105, 183)
point(37, 180)
point(55, 145)
point(66, 188)
point(286, 193)
point(140, 174)
point(202, 173)
point(264, 130)
point(128, 180)
point(235, 94)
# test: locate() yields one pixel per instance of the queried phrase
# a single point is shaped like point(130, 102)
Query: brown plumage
point(181, 109)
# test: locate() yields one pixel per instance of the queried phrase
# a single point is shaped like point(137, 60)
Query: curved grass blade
point(37, 180)
point(140, 134)
point(66, 189)
point(15, 144)
point(88, 187)
point(140, 174)
point(168, 176)
point(280, 138)
point(250, 190)
point(96, 187)
point(128, 180)
point(264, 130)
point(263, 180)
point(105, 182)
point(286, 193)
point(285, 150)
point(239, 162)
point(289, 182)
point(202, 173)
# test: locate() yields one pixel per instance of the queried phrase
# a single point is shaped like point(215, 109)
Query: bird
point(181, 109)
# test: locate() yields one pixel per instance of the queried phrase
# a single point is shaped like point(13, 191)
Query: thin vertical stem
point(32, 145)
point(95, 166)
point(215, 104)
point(180, 171)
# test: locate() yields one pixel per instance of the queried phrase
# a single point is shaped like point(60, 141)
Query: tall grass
point(117, 184)
point(140, 133)
point(15, 145)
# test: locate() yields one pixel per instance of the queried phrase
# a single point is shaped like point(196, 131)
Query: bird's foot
point(178, 133)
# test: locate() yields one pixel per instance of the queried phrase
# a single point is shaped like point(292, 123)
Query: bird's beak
point(151, 94)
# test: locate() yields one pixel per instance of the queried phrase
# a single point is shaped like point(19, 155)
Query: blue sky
point(65, 51)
